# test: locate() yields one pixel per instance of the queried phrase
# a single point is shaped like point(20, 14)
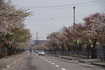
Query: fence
point(81, 54)
point(101, 52)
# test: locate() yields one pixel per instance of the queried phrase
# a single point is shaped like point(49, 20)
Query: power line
point(67, 5)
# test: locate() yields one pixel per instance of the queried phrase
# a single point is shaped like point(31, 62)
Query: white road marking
point(22, 65)
point(23, 61)
point(8, 66)
point(49, 61)
point(14, 62)
point(63, 68)
point(4, 69)
point(57, 65)
point(52, 63)
point(42, 57)
point(46, 60)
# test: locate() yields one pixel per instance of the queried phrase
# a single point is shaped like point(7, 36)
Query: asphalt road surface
point(34, 62)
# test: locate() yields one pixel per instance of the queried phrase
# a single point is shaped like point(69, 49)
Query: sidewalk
point(90, 61)
point(6, 61)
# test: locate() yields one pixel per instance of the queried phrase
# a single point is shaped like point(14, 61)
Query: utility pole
point(36, 38)
point(74, 16)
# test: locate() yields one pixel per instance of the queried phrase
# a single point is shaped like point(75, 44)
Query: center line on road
point(49, 61)
point(53, 63)
point(63, 68)
point(22, 65)
point(46, 60)
point(57, 65)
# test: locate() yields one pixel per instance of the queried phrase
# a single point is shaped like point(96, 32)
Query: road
point(34, 62)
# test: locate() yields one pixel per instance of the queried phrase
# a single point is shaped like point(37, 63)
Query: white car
point(41, 53)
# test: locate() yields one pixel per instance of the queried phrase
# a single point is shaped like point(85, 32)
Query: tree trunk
point(10, 51)
point(94, 43)
point(94, 50)
point(88, 50)
point(62, 49)
point(80, 47)
point(69, 48)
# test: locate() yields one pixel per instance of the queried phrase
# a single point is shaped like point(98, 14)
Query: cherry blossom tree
point(95, 28)
point(12, 29)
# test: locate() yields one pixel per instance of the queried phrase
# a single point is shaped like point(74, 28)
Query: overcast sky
point(51, 15)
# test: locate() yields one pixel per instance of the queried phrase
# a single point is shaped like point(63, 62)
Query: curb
point(66, 58)
point(56, 55)
point(14, 62)
point(84, 61)
point(69, 58)
point(88, 61)
point(98, 64)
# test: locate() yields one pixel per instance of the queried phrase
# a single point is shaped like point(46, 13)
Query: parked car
point(41, 53)
point(36, 51)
